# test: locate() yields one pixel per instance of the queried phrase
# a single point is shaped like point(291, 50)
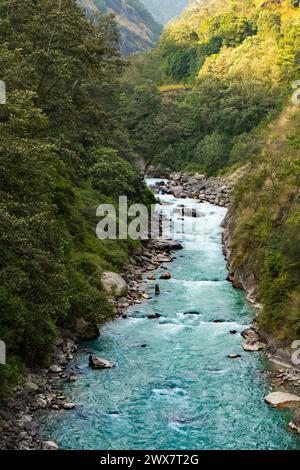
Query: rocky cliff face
point(139, 31)
point(241, 276)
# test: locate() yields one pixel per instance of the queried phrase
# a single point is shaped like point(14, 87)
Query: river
point(181, 391)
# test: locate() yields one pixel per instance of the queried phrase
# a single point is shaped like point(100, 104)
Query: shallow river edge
point(41, 391)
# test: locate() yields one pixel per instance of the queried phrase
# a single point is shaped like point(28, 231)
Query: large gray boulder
point(50, 445)
point(282, 399)
point(114, 284)
point(168, 245)
point(86, 330)
point(176, 191)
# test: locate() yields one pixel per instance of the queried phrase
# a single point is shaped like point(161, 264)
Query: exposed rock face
point(114, 284)
point(241, 275)
point(166, 276)
point(234, 356)
point(86, 330)
point(69, 406)
point(282, 399)
point(295, 425)
point(139, 31)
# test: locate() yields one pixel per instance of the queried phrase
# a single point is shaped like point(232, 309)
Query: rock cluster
point(253, 341)
point(19, 414)
point(143, 261)
point(214, 190)
point(288, 376)
point(41, 391)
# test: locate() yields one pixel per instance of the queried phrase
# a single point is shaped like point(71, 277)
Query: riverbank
point(41, 392)
point(285, 374)
point(181, 371)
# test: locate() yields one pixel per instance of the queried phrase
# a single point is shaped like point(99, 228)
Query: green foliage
point(269, 22)
point(112, 175)
point(211, 153)
point(241, 59)
point(59, 131)
point(266, 238)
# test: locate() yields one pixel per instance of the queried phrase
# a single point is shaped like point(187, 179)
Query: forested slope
point(62, 144)
point(242, 59)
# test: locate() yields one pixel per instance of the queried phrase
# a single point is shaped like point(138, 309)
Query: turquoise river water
point(181, 391)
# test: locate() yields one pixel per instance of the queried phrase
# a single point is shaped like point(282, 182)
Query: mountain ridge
point(138, 29)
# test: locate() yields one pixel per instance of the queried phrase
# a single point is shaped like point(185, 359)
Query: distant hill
point(164, 10)
point(139, 30)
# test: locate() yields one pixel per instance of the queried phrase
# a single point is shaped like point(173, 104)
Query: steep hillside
point(263, 227)
point(139, 30)
point(63, 151)
point(165, 10)
point(242, 59)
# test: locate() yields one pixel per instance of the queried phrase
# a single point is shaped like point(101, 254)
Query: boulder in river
point(69, 406)
point(99, 363)
point(155, 316)
point(186, 211)
point(250, 334)
point(295, 425)
point(234, 356)
point(191, 312)
point(151, 277)
point(176, 191)
point(50, 445)
point(114, 284)
point(166, 276)
point(168, 245)
point(282, 399)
